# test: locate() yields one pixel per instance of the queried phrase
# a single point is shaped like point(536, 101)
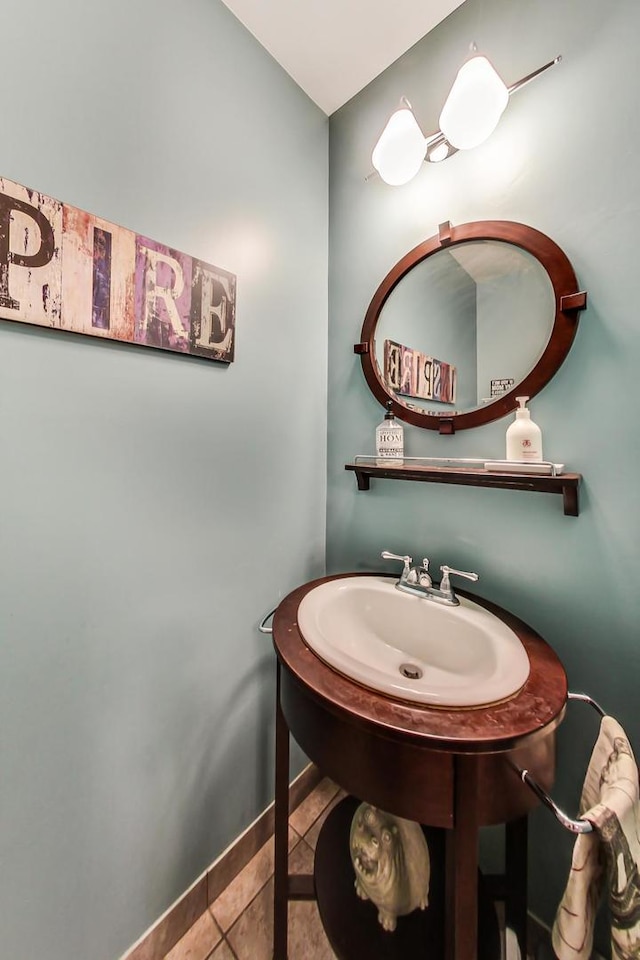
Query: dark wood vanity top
point(531, 714)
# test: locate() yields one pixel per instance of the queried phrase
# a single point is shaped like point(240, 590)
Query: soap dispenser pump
point(389, 440)
point(524, 437)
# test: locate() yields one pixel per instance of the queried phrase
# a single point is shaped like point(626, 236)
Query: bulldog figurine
point(391, 862)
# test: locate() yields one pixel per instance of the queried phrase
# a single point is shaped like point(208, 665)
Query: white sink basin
point(460, 656)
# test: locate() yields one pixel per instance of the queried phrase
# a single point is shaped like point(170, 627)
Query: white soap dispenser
point(389, 440)
point(524, 437)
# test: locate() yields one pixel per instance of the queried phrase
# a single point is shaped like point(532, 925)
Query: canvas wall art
point(69, 270)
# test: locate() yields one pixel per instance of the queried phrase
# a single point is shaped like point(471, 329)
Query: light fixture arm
point(531, 76)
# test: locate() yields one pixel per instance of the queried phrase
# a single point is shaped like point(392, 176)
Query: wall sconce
point(472, 111)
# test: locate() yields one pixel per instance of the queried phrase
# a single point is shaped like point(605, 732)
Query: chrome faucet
point(417, 580)
point(412, 579)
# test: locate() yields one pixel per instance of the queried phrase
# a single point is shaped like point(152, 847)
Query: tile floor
point(239, 924)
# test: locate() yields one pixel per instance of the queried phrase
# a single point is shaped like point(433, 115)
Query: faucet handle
point(445, 584)
point(394, 556)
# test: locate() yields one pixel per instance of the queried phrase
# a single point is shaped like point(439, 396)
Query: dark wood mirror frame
point(569, 301)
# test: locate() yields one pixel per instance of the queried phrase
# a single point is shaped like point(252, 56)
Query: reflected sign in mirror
point(410, 373)
point(467, 320)
point(469, 315)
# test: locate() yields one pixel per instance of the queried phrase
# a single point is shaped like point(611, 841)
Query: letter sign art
point(69, 270)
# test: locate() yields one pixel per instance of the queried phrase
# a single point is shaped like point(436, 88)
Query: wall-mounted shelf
point(565, 484)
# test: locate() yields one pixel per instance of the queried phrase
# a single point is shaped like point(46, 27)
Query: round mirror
point(468, 320)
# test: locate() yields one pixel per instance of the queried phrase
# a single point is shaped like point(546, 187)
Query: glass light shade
point(399, 153)
point(475, 104)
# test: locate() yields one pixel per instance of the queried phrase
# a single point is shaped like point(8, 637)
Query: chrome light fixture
point(472, 111)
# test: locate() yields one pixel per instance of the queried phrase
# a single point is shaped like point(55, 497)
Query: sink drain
point(411, 671)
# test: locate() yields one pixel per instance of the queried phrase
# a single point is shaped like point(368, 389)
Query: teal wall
point(564, 160)
point(152, 508)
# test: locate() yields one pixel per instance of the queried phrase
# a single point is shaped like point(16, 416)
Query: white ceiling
point(334, 48)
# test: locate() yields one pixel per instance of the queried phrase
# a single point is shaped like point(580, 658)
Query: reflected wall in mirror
point(466, 321)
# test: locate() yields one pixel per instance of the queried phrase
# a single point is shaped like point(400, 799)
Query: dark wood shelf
point(566, 484)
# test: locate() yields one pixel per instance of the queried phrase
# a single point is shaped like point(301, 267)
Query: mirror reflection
point(464, 326)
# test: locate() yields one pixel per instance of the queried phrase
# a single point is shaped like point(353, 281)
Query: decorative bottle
point(389, 440)
point(524, 437)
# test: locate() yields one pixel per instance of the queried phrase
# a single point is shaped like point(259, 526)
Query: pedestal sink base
point(441, 768)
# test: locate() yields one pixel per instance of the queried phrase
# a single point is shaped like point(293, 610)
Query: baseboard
point(181, 915)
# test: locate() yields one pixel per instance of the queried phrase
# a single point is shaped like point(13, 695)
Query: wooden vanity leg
point(281, 832)
point(516, 871)
point(461, 865)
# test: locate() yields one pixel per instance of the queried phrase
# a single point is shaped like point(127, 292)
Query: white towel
point(609, 857)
